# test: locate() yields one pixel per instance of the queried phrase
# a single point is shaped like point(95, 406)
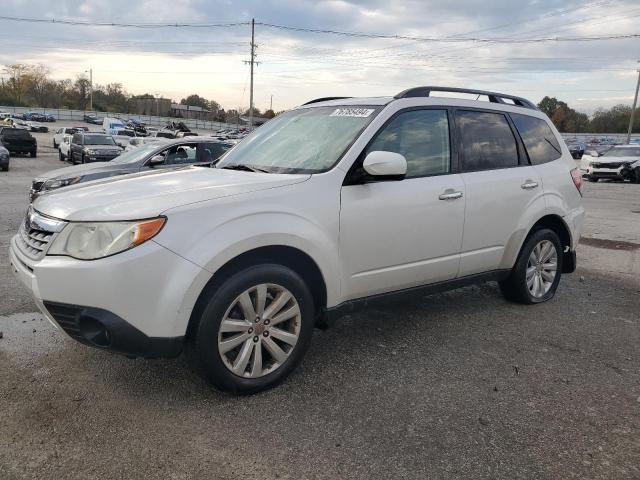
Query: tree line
point(603, 120)
point(25, 85)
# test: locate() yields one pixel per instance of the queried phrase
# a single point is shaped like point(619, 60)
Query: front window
point(98, 140)
point(622, 152)
point(310, 140)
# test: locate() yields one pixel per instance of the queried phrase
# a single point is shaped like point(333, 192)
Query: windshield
point(133, 156)
point(98, 140)
point(310, 140)
point(622, 152)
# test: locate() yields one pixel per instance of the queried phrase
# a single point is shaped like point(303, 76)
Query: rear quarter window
point(539, 141)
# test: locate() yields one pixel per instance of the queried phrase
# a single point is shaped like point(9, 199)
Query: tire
point(515, 287)
point(593, 179)
point(34, 154)
point(5, 169)
point(636, 175)
point(204, 346)
point(61, 157)
point(82, 158)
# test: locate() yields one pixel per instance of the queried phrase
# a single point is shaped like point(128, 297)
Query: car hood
point(149, 194)
point(79, 170)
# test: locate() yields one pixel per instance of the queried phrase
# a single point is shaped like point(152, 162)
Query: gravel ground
point(458, 385)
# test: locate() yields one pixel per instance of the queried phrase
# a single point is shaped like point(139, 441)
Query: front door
point(402, 233)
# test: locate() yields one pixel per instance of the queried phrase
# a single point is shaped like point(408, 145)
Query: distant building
point(152, 106)
point(189, 111)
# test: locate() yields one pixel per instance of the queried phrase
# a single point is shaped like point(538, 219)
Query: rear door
point(500, 186)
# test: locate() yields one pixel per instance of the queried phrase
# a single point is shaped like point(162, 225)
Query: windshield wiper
point(244, 168)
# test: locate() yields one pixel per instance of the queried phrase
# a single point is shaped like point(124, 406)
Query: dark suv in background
point(18, 140)
point(93, 147)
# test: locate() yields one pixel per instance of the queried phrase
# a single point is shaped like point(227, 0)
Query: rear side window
point(486, 141)
point(540, 142)
point(422, 137)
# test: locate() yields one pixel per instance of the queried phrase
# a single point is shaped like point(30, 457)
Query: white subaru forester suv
point(332, 205)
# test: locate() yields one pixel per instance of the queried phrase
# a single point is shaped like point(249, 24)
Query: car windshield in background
point(622, 152)
point(133, 156)
point(309, 140)
point(98, 140)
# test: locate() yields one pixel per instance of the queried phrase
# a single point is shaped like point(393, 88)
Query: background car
point(123, 136)
point(93, 147)
point(16, 123)
point(92, 118)
point(140, 141)
point(577, 149)
point(4, 159)
point(18, 140)
point(62, 132)
point(595, 166)
point(170, 154)
point(63, 148)
point(37, 126)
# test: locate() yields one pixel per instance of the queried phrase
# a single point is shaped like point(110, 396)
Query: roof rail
point(324, 99)
point(494, 97)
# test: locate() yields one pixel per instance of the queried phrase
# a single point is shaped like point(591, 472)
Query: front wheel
point(254, 330)
point(536, 274)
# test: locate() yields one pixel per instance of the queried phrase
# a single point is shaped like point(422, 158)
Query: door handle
point(450, 195)
point(528, 185)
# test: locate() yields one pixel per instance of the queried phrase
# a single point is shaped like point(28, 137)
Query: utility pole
point(90, 88)
point(633, 109)
point(252, 62)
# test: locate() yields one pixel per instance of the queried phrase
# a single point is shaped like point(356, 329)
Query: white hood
point(148, 194)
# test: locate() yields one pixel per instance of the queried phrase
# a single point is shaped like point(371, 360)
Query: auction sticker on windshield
point(352, 112)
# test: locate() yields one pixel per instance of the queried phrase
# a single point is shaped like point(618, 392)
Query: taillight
point(576, 176)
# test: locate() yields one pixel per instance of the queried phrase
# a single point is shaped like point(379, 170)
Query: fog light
point(94, 331)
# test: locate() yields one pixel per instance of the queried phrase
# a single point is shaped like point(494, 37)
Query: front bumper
point(137, 297)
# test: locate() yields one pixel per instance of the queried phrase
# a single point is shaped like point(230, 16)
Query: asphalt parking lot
point(457, 385)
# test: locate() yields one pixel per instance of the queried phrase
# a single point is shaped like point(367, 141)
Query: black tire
point(61, 157)
point(636, 175)
point(5, 169)
point(202, 343)
point(593, 179)
point(514, 287)
point(34, 153)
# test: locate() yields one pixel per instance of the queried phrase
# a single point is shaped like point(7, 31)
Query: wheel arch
point(291, 257)
point(557, 224)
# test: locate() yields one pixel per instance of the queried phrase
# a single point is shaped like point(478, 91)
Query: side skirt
point(332, 314)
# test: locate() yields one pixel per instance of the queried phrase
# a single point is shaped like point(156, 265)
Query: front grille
point(608, 165)
point(36, 233)
point(33, 242)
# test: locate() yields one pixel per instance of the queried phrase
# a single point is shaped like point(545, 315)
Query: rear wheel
point(34, 153)
point(254, 330)
point(536, 274)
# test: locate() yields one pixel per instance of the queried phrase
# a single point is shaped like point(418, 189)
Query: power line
point(126, 25)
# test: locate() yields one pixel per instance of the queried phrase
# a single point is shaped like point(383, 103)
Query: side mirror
point(385, 165)
point(156, 160)
point(592, 153)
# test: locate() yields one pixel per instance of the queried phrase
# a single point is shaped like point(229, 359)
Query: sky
point(298, 66)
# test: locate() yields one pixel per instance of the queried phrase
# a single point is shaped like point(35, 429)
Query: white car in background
point(64, 147)
point(37, 126)
point(61, 133)
point(595, 166)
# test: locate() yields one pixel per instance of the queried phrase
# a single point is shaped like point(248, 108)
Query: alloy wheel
point(259, 330)
point(542, 267)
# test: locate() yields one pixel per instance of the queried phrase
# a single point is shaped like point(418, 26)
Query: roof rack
point(324, 99)
point(494, 97)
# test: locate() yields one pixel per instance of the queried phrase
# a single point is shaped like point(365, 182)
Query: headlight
point(90, 151)
point(90, 241)
point(62, 182)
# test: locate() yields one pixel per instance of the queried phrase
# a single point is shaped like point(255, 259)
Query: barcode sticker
point(352, 112)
